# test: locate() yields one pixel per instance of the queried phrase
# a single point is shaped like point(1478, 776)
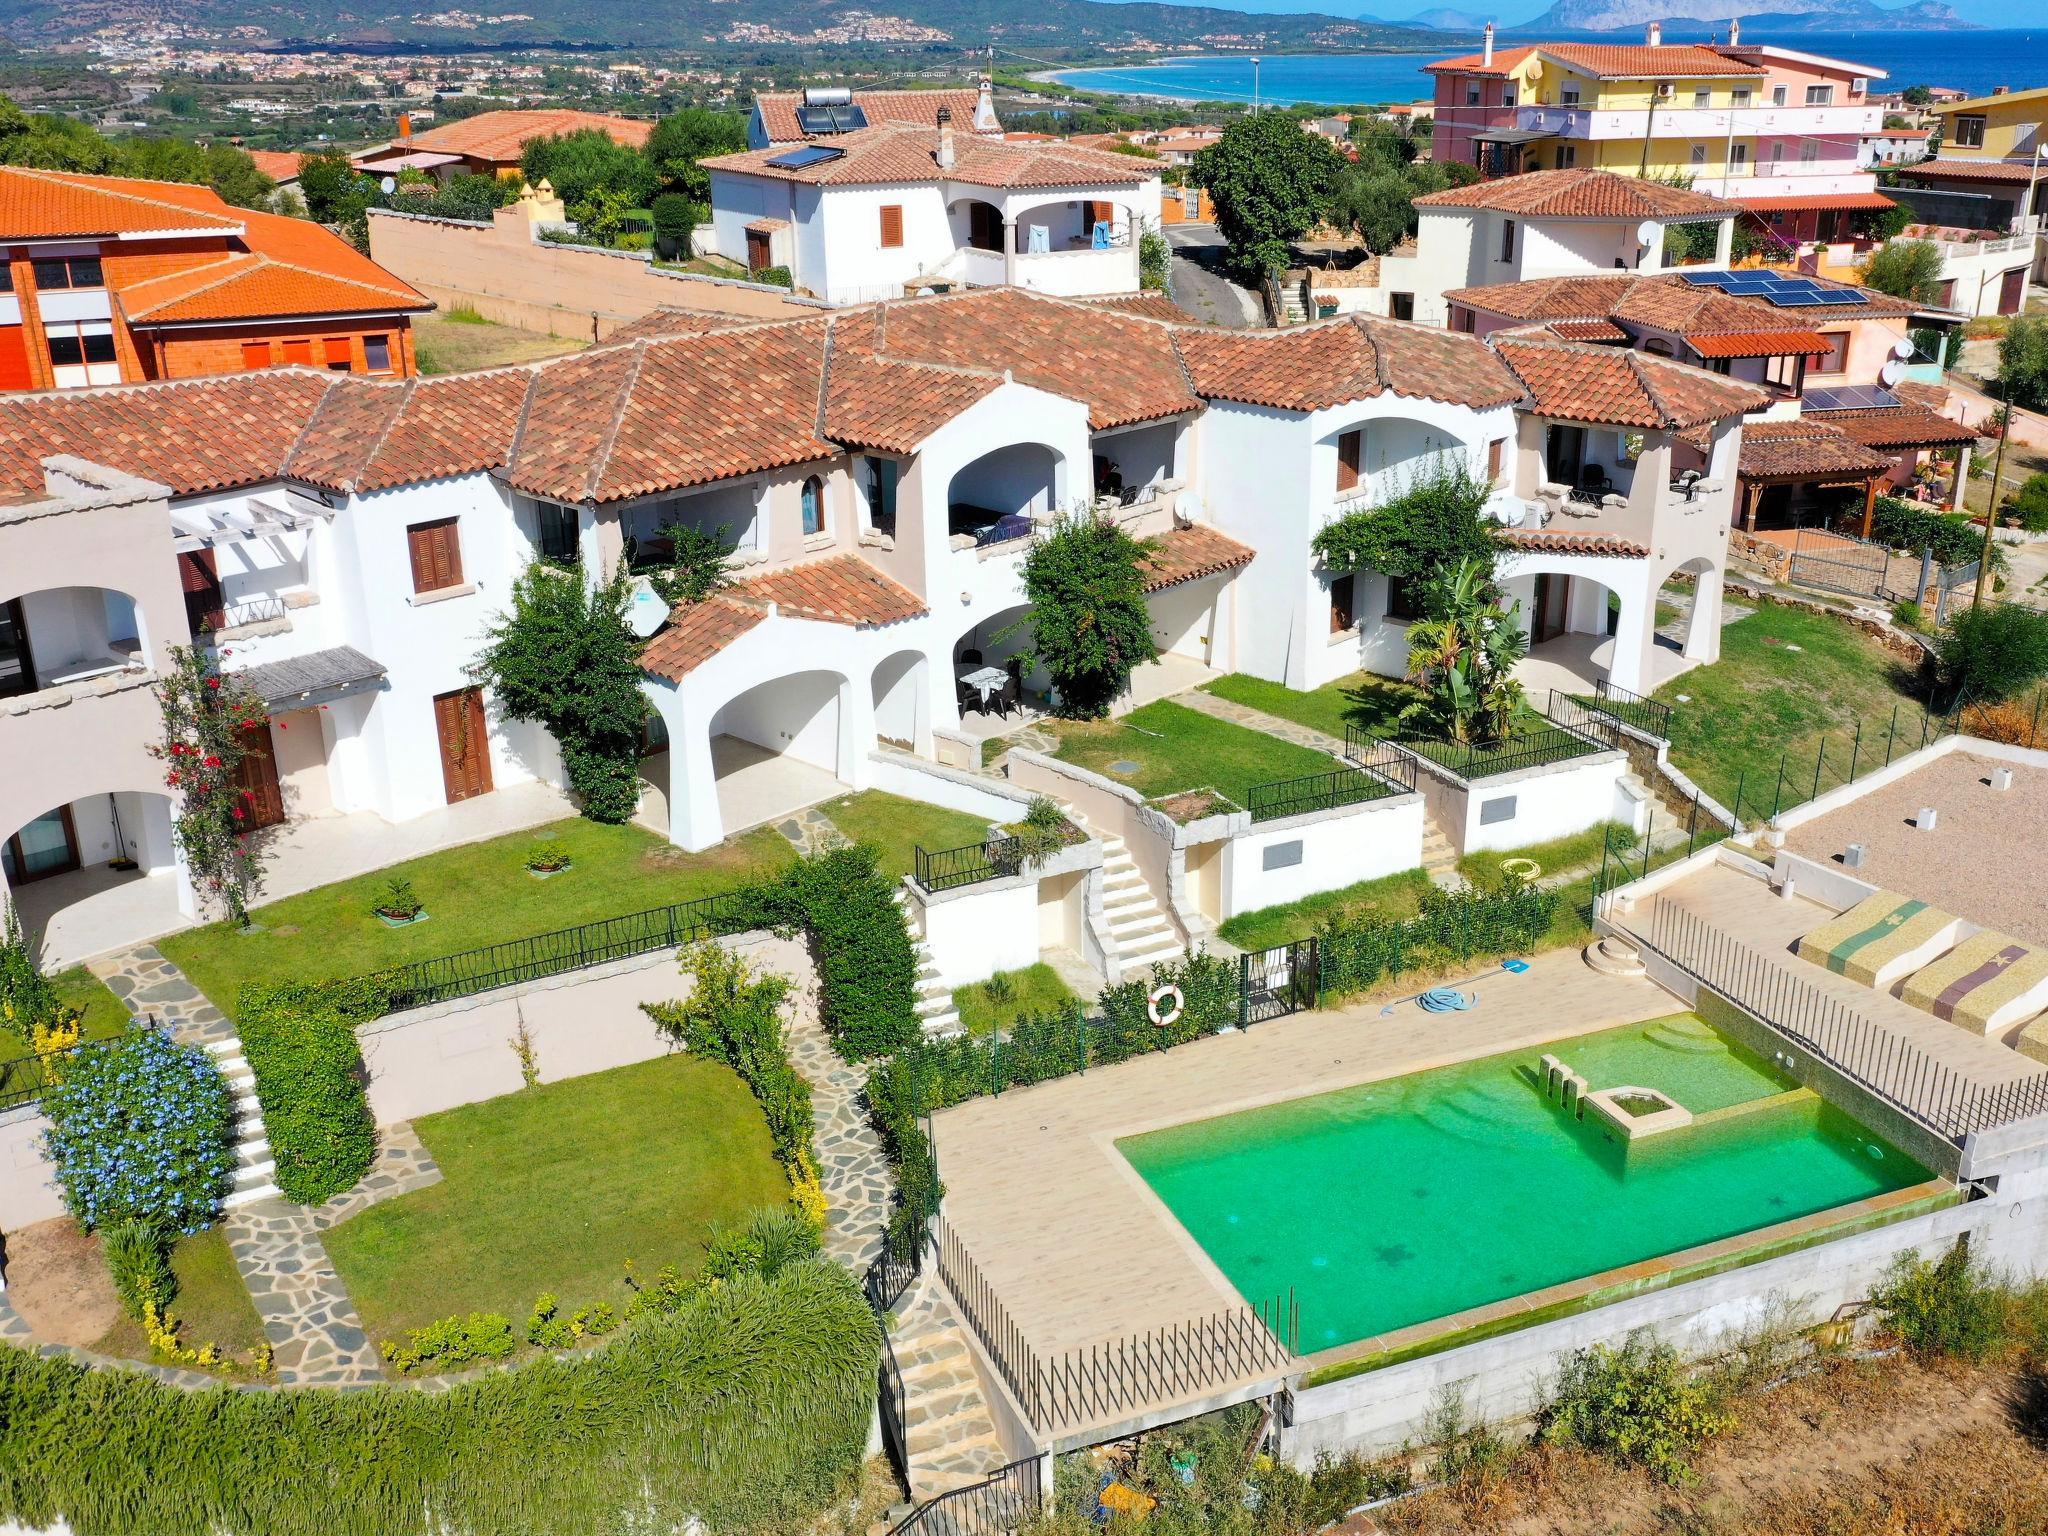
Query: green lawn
point(212, 1305)
point(555, 1188)
point(475, 895)
point(1557, 856)
point(1364, 699)
point(1389, 899)
point(1034, 989)
point(897, 826)
point(1170, 748)
point(105, 1015)
point(1764, 701)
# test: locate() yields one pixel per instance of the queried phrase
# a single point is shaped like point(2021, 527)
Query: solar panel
point(804, 155)
point(1851, 397)
point(838, 117)
point(1710, 277)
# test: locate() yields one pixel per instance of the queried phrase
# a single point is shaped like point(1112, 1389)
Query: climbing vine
point(207, 715)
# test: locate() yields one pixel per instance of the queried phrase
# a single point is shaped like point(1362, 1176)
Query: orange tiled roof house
point(111, 280)
point(880, 473)
point(490, 143)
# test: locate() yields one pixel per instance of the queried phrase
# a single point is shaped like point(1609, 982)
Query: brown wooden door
point(257, 775)
point(1553, 596)
point(2012, 291)
point(758, 259)
point(465, 743)
point(199, 575)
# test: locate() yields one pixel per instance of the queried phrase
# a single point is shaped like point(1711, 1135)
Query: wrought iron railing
point(23, 1078)
point(942, 869)
point(1004, 1501)
point(471, 971)
point(1532, 746)
point(1881, 1061)
point(1315, 792)
point(1632, 709)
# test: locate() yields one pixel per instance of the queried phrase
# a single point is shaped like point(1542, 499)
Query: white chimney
point(985, 108)
point(945, 138)
point(1487, 57)
point(1734, 30)
point(1654, 34)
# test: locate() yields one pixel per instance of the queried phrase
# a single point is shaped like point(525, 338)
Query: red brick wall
point(174, 354)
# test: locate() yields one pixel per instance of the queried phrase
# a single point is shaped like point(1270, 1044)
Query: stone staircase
point(1665, 826)
point(254, 1165)
point(1614, 956)
point(1439, 856)
point(935, 1010)
point(949, 1433)
point(1139, 932)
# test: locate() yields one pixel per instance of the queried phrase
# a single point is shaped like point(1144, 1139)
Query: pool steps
point(1614, 956)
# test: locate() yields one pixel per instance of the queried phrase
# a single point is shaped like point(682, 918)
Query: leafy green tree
point(226, 169)
point(1916, 95)
point(1088, 624)
point(675, 217)
point(1906, 269)
point(335, 192)
point(1381, 145)
point(1434, 523)
point(683, 138)
point(561, 655)
point(1271, 182)
point(2023, 361)
point(1464, 656)
point(1155, 261)
point(53, 143)
point(600, 214)
point(576, 164)
point(1378, 204)
point(1989, 653)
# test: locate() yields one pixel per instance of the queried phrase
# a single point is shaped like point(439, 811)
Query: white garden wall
point(1272, 862)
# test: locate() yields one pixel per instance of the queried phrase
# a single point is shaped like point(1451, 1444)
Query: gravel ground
point(1978, 862)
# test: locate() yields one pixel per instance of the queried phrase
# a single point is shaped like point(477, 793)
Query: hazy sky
point(1989, 13)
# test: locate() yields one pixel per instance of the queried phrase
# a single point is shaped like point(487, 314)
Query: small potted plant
point(549, 857)
point(400, 905)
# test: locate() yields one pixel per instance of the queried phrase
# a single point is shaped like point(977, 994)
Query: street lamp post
point(1255, 85)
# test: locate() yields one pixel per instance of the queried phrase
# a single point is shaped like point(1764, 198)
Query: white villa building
point(913, 194)
point(1538, 224)
point(883, 471)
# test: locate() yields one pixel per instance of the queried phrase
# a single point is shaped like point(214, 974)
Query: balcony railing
point(946, 869)
point(1542, 740)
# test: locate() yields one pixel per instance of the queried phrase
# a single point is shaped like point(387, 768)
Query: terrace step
point(255, 1164)
point(949, 1433)
point(1615, 956)
point(1439, 855)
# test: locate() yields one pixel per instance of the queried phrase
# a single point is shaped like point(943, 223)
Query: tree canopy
point(1906, 269)
point(1432, 524)
point(1271, 183)
point(578, 164)
point(683, 138)
point(1089, 625)
point(2023, 361)
point(53, 143)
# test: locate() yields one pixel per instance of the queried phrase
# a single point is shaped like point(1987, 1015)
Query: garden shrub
point(547, 1327)
point(1452, 925)
point(1087, 624)
point(867, 969)
point(2029, 504)
point(141, 1128)
point(1900, 524)
point(300, 1040)
point(139, 1263)
point(1951, 1308)
point(763, 1242)
point(775, 277)
point(453, 1342)
point(1637, 1404)
point(1989, 653)
point(30, 1009)
point(747, 1410)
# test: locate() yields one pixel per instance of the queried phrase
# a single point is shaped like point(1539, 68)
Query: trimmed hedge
point(1452, 925)
point(747, 1409)
point(867, 968)
point(300, 1040)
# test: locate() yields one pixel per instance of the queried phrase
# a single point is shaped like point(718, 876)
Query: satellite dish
point(645, 611)
point(1902, 349)
point(389, 184)
point(1535, 70)
point(1647, 232)
point(1892, 371)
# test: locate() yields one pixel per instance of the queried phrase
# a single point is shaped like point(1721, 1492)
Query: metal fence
point(1004, 1501)
point(1119, 1377)
point(1882, 1062)
point(565, 949)
point(1557, 739)
point(23, 1078)
point(1837, 562)
point(1272, 983)
point(1632, 709)
point(943, 869)
point(1317, 792)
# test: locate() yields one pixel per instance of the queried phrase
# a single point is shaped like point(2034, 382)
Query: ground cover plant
point(203, 1293)
point(1388, 899)
point(300, 1041)
point(1009, 996)
point(1177, 749)
point(1365, 699)
point(555, 1188)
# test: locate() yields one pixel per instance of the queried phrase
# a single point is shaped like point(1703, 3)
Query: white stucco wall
point(1322, 852)
point(1552, 801)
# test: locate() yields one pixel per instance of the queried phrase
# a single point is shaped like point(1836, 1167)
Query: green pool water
point(1411, 1199)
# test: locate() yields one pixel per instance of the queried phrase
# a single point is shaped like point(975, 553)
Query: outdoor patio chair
point(1009, 696)
point(970, 699)
point(1593, 480)
point(970, 658)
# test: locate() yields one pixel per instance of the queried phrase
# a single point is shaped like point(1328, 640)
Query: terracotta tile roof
point(921, 108)
point(1570, 541)
point(1616, 387)
point(696, 633)
point(1189, 554)
point(1761, 344)
point(1843, 201)
point(51, 205)
point(371, 436)
point(1586, 330)
point(1799, 449)
point(1970, 170)
point(1308, 368)
point(1933, 396)
point(1608, 61)
point(277, 164)
point(1904, 426)
point(875, 402)
point(1123, 368)
point(840, 589)
point(1504, 62)
point(1150, 306)
point(501, 136)
point(194, 435)
point(1666, 302)
point(890, 153)
point(290, 267)
point(1581, 194)
point(670, 321)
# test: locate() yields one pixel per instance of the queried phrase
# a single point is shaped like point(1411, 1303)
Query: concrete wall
point(505, 275)
point(28, 1186)
point(1554, 800)
point(1271, 862)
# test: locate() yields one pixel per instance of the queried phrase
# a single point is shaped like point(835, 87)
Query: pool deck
point(1076, 1244)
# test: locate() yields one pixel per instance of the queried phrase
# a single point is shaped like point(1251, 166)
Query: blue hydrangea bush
point(141, 1128)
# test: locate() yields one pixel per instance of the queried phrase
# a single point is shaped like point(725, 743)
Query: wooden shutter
point(298, 352)
point(255, 354)
point(14, 370)
point(1350, 452)
point(1494, 452)
point(339, 352)
point(1099, 213)
point(199, 575)
point(436, 552)
point(892, 225)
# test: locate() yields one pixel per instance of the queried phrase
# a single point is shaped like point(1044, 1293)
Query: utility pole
point(1997, 480)
point(1255, 85)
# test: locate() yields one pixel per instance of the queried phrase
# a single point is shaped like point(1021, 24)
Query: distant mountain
point(1684, 18)
point(1442, 19)
point(1090, 25)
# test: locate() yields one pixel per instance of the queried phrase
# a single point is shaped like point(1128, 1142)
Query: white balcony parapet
point(1703, 123)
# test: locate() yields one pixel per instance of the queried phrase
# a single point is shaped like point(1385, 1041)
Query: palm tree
point(1464, 656)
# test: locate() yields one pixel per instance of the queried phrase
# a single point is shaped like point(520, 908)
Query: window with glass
point(1568, 96)
point(1699, 154)
point(17, 667)
point(1785, 374)
point(1343, 603)
point(1738, 157)
point(1703, 96)
point(1809, 151)
point(1567, 156)
point(881, 488)
point(46, 846)
point(559, 534)
point(377, 354)
point(1778, 96)
point(1739, 96)
point(1507, 239)
point(814, 506)
point(1471, 95)
point(1837, 358)
point(6, 276)
point(1507, 96)
point(1969, 132)
point(1404, 599)
point(54, 272)
point(1820, 95)
point(74, 348)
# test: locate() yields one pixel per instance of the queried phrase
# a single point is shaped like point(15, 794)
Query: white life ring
point(1159, 1010)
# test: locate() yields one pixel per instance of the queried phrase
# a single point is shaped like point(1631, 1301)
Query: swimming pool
point(1412, 1199)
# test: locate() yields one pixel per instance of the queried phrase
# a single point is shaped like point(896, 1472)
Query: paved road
point(1198, 286)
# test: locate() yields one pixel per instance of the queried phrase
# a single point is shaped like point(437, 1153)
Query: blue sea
point(1969, 61)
